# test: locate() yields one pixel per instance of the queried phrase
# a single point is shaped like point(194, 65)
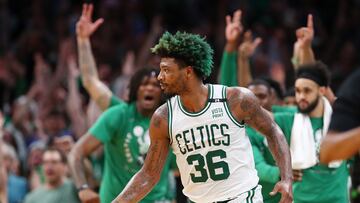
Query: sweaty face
point(263, 94)
point(149, 93)
point(54, 168)
point(171, 77)
point(307, 95)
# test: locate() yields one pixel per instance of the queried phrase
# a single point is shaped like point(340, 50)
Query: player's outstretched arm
point(144, 180)
point(98, 91)
point(245, 106)
point(332, 147)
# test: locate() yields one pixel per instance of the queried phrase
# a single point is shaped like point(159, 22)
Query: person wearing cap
point(304, 132)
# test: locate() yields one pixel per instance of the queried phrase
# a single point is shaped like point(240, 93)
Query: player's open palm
point(85, 26)
point(248, 46)
point(233, 27)
point(285, 188)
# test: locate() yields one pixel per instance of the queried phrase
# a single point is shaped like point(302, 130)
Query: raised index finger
point(310, 23)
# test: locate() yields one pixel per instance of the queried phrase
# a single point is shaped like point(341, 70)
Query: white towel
point(302, 143)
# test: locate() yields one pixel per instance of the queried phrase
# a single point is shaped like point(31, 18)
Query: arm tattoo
point(261, 120)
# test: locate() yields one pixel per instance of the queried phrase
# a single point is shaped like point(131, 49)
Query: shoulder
point(241, 98)
point(35, 195)
point(160, 116)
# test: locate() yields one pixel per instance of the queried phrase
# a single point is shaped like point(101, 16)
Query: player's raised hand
point(305, 35)
point(85, 26)
point(233, 27)
point(285, 188)
point(248, 46)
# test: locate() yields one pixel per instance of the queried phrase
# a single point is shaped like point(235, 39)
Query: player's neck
point(318, 111)
point(195, 97)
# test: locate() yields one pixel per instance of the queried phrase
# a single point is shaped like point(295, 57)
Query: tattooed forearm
point(280, 151)
point(258, 118)
point(276, 140)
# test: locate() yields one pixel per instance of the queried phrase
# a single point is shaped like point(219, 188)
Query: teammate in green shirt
point(319, 183)
point(122, 129)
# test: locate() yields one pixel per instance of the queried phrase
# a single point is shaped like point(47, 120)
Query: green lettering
point(177, 137)
point(213, 134)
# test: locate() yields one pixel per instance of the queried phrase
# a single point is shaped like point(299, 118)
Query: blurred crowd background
point(41, 97)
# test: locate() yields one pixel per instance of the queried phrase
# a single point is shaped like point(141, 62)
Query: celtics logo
point(139, 138)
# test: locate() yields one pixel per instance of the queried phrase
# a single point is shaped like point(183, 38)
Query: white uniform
point(213, 152)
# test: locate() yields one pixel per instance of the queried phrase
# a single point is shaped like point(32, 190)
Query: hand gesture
point(89, 196)
point(233, 27)
point(248, 46)
point(85, 27)
point(305, 35)
point(285, 188)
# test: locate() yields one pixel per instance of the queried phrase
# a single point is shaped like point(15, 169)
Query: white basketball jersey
point(213, 152)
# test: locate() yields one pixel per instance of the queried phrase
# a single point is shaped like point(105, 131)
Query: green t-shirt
point(268, 172)
point(320, 184)
point(280, 109)
point(65, 193)
point(123, 131)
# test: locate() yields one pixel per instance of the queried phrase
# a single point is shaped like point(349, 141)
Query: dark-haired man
point(305, 131)
point(57, 188)
point(122, 129)
point(204, 125)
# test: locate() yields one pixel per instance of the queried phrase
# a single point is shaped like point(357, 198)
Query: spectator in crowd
point(57, 188)
point(305, 131)
point(16, 185)
point(122, 129)
point(36, 177)
point(3, 175)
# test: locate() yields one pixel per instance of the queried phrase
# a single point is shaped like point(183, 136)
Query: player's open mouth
point(149, 98)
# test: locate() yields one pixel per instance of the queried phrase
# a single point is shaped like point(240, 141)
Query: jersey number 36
point(218, 170)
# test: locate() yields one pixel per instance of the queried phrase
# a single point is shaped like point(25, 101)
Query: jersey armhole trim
point(226, 106)
point(169, 120)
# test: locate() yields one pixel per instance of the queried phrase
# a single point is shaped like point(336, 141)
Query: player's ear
point(322, 90)
point(189, 71)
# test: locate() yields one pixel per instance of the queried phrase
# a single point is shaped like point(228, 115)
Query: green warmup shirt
point(320, 184)
point(280, 109)
point(268, 172)
point(123, 132)
point(228, 69)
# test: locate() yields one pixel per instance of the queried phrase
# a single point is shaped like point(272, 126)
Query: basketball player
point(204, 125)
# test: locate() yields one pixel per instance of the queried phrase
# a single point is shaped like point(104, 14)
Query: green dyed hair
point(192, 49)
